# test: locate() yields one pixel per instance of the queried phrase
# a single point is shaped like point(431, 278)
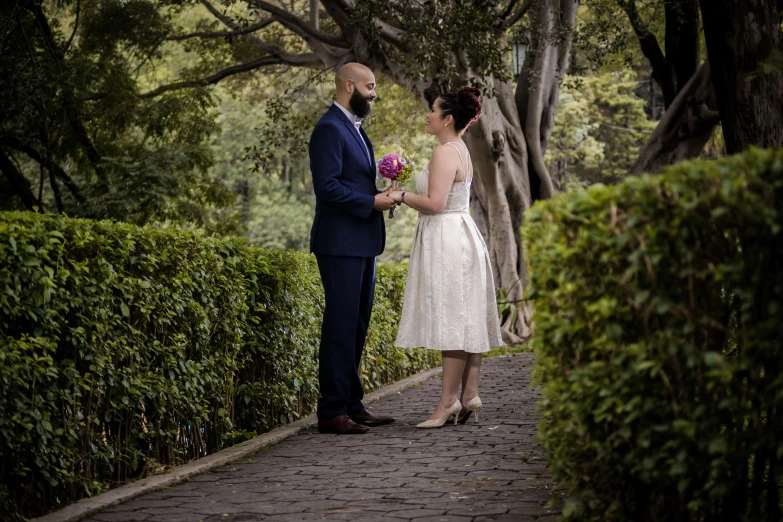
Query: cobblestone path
point(493, 470)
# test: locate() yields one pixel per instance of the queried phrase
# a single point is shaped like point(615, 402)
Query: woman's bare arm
point(443, 171)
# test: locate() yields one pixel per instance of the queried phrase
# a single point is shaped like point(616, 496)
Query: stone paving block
point(270, 508)
point(233, 517)
point(456, 473)
point(445, 501)
point(444, 518)
point(381, 506)
point(121, 516)
point(184, 492)
point(156, 503)
point(415, 514)
point(183, 517)
point(198, 508)
point(478, 510)
point(206, 477)
point(406, 494)
point(506, 518)
point(353, 496)
point(492, 470)
point(286, 495)
point(351, 515)
point(127, 507)
point(290, 517)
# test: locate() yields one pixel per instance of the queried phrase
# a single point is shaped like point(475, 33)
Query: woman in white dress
point(449, 302)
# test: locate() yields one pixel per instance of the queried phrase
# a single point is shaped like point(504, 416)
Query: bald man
point(348, 233)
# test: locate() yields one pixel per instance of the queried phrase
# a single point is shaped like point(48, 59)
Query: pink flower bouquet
point(397, 168)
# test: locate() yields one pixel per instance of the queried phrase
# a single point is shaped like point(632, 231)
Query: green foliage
point(433, 33)
point(600, 126)
point(291, 113)
point(74, 121)
point(658, 342)
point(278, 219)
point(124, 348)
point(605, 38)
point(273, 179)
point(400, 232)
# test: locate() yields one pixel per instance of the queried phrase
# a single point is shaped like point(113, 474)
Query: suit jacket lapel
point(352, 132)
point(370, 149)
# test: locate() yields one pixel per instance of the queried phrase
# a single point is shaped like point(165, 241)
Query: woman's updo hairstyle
point(464, 106)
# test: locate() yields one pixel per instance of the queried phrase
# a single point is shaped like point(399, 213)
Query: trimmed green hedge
point(659, 308)
point(123, 349)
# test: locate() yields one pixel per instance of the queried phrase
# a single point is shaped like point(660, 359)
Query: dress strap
point(454, 144)
point(468, 175)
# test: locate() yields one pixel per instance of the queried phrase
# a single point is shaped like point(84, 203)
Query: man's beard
point(360, 104)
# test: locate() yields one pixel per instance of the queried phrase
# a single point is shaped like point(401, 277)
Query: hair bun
point(469, 100)
point(469, 91)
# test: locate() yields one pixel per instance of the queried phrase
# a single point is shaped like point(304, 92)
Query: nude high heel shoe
point(472, 406)
point(440, 421)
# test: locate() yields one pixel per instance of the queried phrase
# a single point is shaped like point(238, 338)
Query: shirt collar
point(357, 122)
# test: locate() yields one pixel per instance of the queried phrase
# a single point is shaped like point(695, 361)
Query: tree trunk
point(682, 40)
point(743, 41)
point(501, 194)
point(538, 89)
point(72, 111)
point(685, 128)
point(314, 21)
point(17, 181)
point(508, 145)
point(690, 109)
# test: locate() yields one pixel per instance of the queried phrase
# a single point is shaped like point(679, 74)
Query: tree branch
point(219, 34)
point(685, 128)
point(509, 8)
point(51, 166)
point(518, 15)
point(534, 89)
point(390, 33)
point(274, 56)
point(682, 39)
point(314, 15)
point(338, 11)
point(229, 22)
point(651, 50)
point(18, 182)
point(325, 54)
point(58, 199)
point(71, 110)
point(298, 26)
point(282, 58)
point(75, 27)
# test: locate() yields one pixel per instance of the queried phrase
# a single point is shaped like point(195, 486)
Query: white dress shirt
point(357, 122)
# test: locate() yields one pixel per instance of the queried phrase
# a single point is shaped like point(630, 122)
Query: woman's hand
point(396, 195)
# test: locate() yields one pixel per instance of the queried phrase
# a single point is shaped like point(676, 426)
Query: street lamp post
point(314, 13)
point(518, 50)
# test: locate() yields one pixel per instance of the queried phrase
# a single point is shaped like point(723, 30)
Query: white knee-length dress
point(449, 301)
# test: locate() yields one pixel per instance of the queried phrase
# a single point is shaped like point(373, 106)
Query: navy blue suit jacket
point(345, 222)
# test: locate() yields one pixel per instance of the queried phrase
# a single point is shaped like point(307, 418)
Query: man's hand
point(383, 201)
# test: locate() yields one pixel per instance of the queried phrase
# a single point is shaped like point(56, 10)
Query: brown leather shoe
point(368, 419)
point(340, 425)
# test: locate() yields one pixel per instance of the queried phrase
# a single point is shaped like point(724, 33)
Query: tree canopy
point(73, 119)
point(196, 113)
